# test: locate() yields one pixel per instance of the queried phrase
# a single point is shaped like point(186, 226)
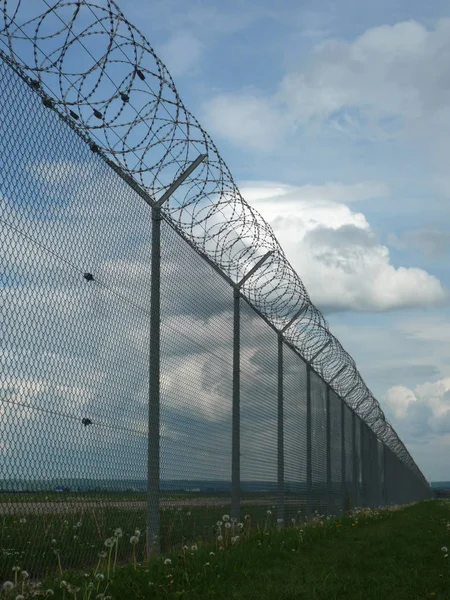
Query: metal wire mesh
point(77, 307)
point(294, 434)
point(336, 500)
point(348, 434)
point(318, 444)
point(196, 382)
point(258, 411)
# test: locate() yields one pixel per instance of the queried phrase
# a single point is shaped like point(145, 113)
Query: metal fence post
point(153, 450)
point(153, 478)
point(328, 451)
point(354, 462)
point(343, 474)
point(308, 443)
point(280, 469)
point(236, 411)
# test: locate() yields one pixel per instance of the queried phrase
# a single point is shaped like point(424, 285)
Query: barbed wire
point(96, 68)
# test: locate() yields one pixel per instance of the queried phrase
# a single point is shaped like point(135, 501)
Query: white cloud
point(335, 252)
point(423, 411)
point(389, 77)
point(245, 118)
point(181, 53)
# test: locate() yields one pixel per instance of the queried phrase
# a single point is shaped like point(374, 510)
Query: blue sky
point(334, 118)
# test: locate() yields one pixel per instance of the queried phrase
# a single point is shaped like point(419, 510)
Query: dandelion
point(99, 577)
point(207, 564)
point(133, 539)
point(63, 584)
point(194, 547)
point(78, 525)
point(279, 521)
point(167, 561)
point(185, 548)
point(225, 518)
point(219, 524)
point(137, 532)
point(72, 589)
point(247, 517)
point(228, 525)
point(8, 586)
point(49, 593)
point(118, 533)
point(102, 554)
point(269, 512)
point(211, 554)
point(53, 542)
point(188, 513)
point(25, 574)
point(219, 538)
point(20, 597)
point(22, 520)
point(240, 525)
point(444, 549)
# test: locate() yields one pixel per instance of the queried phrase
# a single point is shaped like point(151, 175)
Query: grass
point(393, 553)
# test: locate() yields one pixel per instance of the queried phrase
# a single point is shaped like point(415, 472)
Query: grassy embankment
point(396, 553)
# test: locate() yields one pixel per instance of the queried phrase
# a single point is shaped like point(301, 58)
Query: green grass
point(375, 555)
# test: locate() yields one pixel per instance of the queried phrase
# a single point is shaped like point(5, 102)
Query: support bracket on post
point(320, 351)
point(255, 267)
point(294, 318)
point(179, 180)
point(349, 392)
point(337, 374)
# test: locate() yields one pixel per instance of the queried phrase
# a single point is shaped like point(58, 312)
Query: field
point(397, 552)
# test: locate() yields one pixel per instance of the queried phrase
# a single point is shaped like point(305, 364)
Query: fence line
point(310, 408)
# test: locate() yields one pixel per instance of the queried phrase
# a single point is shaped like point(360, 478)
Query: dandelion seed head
point(240, 525)
point(118, 533)
point(25, 574)
point(444, 549)
point(228, 525)
point(137, 532)
point(167, 561)
point(269, 512)
point(49, 592)
point(219, 523)
point(102, 554)
point(247, 517)
point(22, 520)
point(226, 518)
point(109, 543)
point(20, 597)
point(7, 586)
point(16, 568)
point(219, 538)
point(194, 547)
point(99, 577)
point(211, 554)
point(134, 539)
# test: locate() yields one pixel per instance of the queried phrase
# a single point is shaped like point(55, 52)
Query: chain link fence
point(160, 362)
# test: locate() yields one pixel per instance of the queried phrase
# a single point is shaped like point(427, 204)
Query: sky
point(334, 118)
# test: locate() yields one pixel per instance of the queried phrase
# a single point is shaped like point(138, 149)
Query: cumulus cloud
point(389, 77)
point(335, 251)
point(420, 412)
